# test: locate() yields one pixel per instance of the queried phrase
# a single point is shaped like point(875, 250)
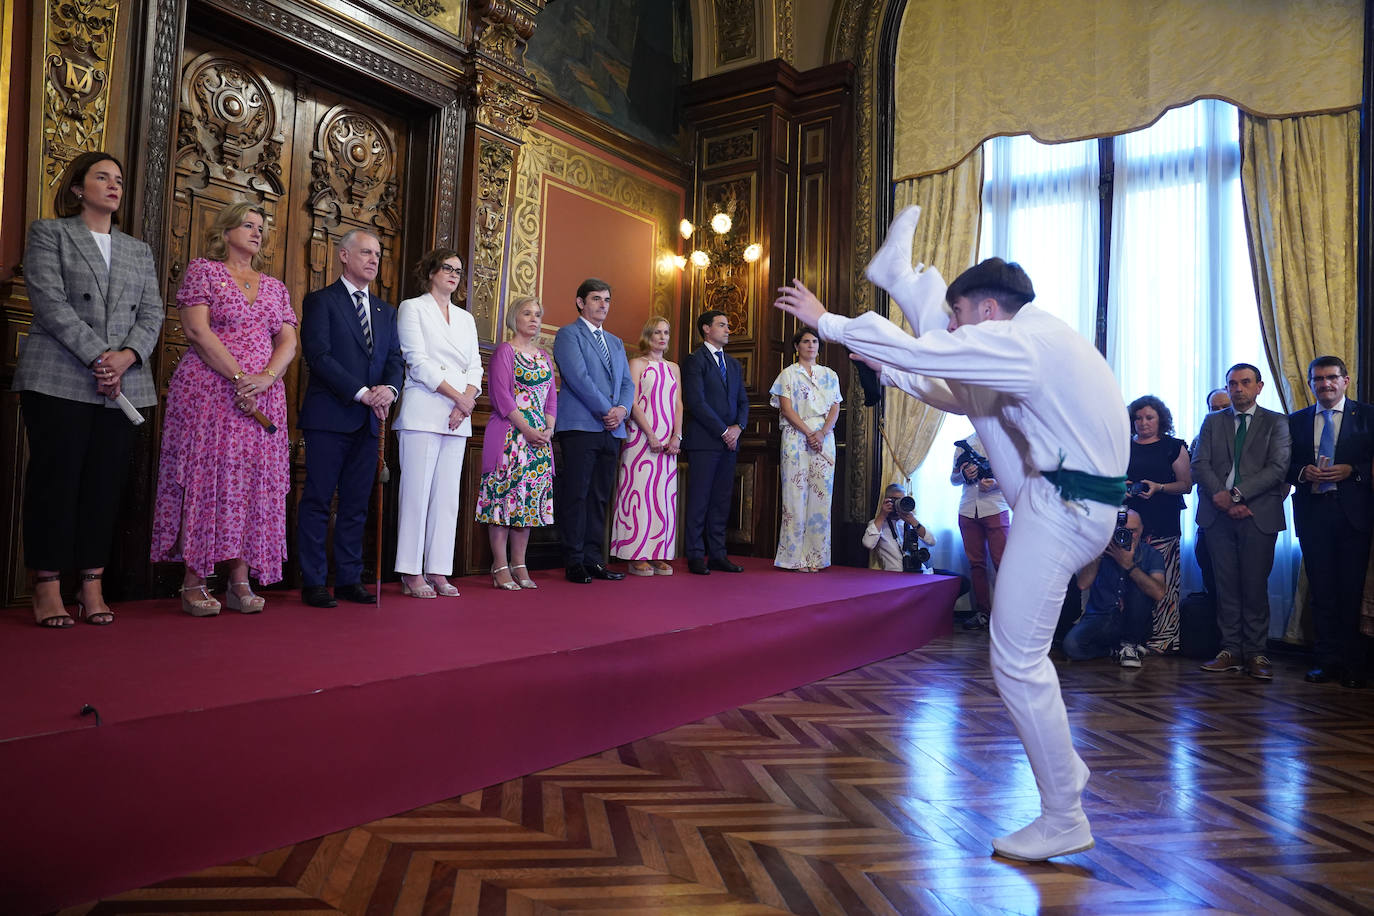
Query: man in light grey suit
point(1240, 465)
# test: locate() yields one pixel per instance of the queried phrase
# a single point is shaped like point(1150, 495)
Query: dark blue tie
point(720, 361)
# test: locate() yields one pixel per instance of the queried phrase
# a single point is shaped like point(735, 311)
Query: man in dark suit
point(349, 341)
point(1333, 445)
point(593, 402)
point(1240, 467)
point(717, 409)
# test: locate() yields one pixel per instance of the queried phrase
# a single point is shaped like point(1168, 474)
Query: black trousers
point(710, 484)
point(78, 463)
point(1336, 555)
point(582, 488)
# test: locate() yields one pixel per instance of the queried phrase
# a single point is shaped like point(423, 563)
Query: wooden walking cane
point(381, 481)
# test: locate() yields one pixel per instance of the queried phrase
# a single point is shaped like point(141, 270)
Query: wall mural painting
point(620, 61)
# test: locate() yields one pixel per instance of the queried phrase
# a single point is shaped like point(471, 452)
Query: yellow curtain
point(946, 238)
point(1299, 183)
point(968, 70)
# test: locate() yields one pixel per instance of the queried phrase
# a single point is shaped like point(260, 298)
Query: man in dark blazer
point(349, 341)
point(1333, 445)
point(717, 409)
point(593, 402)
point(1240, 466)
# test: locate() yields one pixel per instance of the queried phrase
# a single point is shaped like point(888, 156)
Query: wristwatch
point(1235, 495)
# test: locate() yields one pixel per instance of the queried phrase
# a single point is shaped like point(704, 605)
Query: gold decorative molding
point(502, 105)
point(546, 157)
point(495, 164)
point(77, 46)
point(787, 32)
point(502, 28)
point(726, 285)
point(6, 41)
point(425, 9)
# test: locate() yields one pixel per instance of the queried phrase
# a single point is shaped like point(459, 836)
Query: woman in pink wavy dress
point(645, 525)
point(223, 478)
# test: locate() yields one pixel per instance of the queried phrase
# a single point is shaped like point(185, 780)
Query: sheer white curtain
point(1040, 209)
point(1181, 297)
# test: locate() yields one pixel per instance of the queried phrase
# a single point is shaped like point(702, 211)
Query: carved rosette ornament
point(353, 171)
point(77, 46)
point(502, 105)
point(495, 165)
point(229, 125)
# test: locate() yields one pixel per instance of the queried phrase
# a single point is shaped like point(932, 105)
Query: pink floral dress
point(222, 478)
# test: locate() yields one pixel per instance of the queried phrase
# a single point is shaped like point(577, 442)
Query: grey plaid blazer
point(81, 309)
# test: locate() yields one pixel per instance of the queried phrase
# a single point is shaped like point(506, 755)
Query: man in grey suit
point(1240, 466)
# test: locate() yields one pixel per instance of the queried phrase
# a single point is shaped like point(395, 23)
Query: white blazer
point(435, 352)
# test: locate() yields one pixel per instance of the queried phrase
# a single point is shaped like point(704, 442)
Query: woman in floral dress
point(808, 396)
point(517, 453)
point(222, 477)
point(645, 524)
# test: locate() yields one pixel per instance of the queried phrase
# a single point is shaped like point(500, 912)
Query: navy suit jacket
point(712, 404)
point(1354, 446)
point(334, 349)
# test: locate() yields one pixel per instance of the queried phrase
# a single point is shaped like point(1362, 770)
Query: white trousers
point(1049, 541)
point(431, 474)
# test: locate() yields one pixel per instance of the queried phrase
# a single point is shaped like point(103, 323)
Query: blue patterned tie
point(605, 353)
point(1327, 447)
point(720, 361)
point(360, 306)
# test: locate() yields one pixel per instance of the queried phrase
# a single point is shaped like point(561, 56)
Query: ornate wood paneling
point(774, 148)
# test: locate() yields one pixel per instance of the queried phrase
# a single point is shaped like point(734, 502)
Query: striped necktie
point(605, 352)
point(360, 306)
point(720, 361)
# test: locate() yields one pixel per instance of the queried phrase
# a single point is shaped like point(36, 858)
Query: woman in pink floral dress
point(223, 478)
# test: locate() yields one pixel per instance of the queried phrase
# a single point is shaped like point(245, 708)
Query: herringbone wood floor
point(876, 791)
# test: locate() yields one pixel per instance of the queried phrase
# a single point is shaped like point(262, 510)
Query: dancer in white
point(1051, 416)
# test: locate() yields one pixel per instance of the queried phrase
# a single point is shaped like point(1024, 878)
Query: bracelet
point(268, 371)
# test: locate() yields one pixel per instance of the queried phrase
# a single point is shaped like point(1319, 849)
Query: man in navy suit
point(1333, 446)
point(717, 409)
point(594, 401)
point(349, 341)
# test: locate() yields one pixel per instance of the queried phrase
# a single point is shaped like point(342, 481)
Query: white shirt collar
point(1339, 408)
point(590, 327)
point(713, 348)
point(353, 289)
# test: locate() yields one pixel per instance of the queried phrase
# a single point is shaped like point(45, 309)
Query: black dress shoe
point(1353, 683)
point(724, 565)
point(698, 565)
point(578, 574)
point(318, 596)
point(1320, 675)
point(355, 593)
point(597, 571)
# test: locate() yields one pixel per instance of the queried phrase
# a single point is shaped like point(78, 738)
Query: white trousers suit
point(435, 351)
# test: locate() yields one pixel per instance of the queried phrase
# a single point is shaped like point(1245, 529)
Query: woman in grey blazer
point(96, 319)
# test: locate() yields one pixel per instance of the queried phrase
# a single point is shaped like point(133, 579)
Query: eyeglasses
point(450, 269)
point(1326, 378)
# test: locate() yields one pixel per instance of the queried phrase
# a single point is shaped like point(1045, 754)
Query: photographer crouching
point(898, 541)
point(1124, 584)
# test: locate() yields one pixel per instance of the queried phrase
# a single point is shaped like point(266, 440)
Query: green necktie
point(1240, 445)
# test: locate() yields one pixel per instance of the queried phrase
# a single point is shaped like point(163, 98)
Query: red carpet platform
point(228, 736)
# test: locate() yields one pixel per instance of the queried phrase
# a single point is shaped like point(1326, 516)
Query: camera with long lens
point(970, 455)
point(914, 554)
point(1121, 535)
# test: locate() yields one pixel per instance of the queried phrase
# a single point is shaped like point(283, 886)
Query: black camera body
point(914, 555)
point(1121, 536)
point(969, 455)
point(1135, 489)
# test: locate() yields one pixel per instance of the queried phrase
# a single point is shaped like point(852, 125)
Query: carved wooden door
point(318, 163)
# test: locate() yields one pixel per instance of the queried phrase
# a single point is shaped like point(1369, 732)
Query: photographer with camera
point(1124, 584)
point(895, 536)
point(984, 517)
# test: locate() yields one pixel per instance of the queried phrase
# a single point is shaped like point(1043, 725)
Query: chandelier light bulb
point(721, 223)
point(679, 262)
point(753, 252)
point(700, 258)
point(686, 228)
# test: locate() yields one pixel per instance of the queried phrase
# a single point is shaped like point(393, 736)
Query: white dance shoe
point(1046, 837)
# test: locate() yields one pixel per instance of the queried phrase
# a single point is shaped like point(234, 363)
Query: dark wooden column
point(773, 148)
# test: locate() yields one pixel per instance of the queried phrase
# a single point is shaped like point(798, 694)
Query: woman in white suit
point(97, 313)
point(443, 380)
